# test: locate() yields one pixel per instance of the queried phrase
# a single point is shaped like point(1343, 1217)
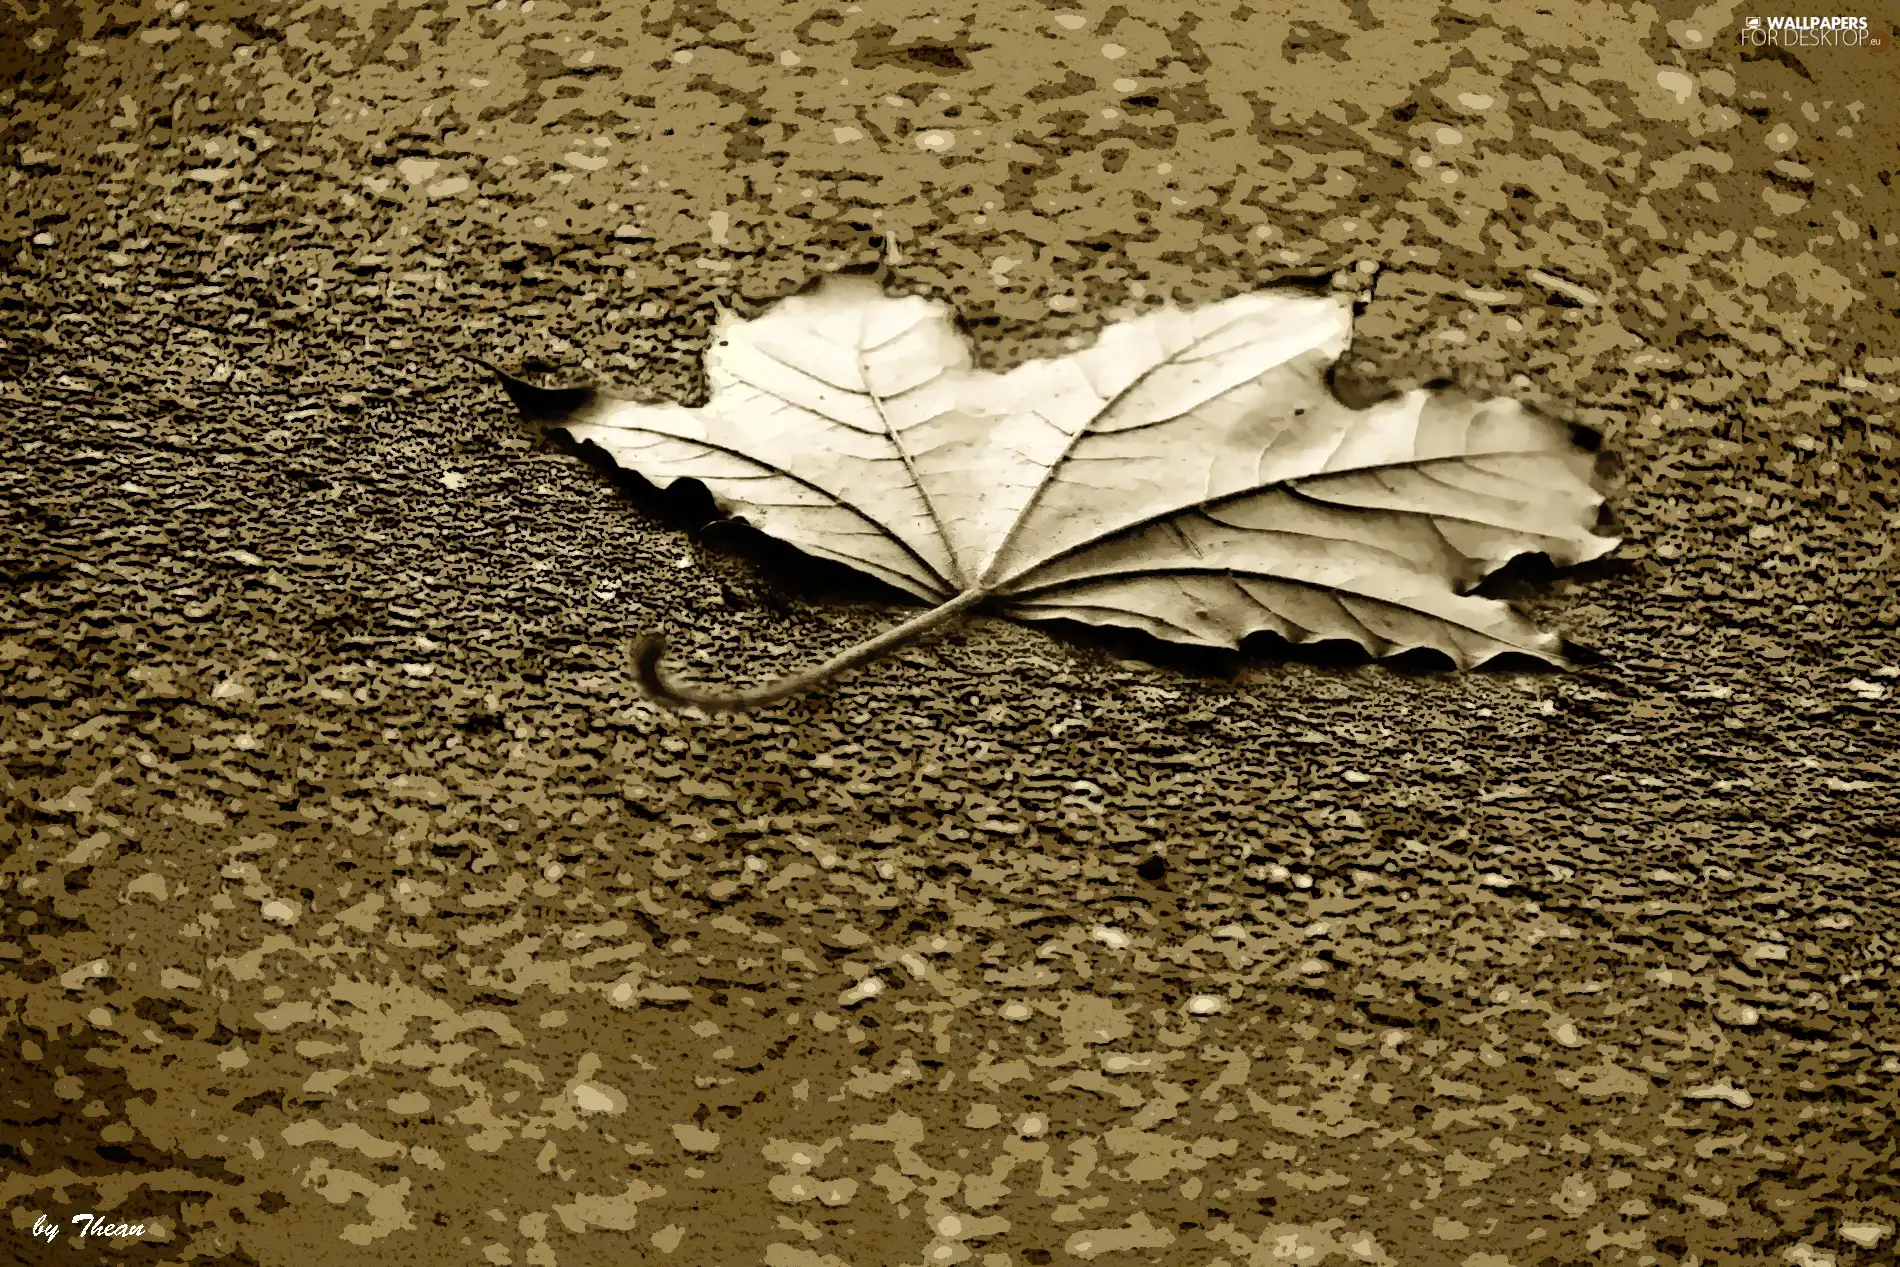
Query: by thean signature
point(86, 1225)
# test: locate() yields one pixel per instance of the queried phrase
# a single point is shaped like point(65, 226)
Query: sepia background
point(357, 910)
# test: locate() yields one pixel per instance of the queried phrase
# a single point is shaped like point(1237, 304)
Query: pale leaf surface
point(1190, 474)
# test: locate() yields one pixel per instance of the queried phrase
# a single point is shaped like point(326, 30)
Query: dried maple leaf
point(1191, 475)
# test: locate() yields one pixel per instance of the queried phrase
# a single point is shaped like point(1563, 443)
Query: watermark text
point(1839, 31)
point(82, 1226)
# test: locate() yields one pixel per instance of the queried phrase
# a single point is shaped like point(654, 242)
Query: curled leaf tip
point(542, 405)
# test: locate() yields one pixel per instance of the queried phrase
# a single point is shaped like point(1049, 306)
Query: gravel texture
point(356, 911)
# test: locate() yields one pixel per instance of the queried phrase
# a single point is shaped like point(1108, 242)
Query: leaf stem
point(647, 652)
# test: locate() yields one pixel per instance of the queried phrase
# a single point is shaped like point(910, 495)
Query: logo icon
point(1753, 24)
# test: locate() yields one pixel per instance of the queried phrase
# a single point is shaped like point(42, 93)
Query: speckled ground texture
point(357, 911)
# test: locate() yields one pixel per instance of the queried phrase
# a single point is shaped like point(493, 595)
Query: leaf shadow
point(1532, 576)
point(1266, 651)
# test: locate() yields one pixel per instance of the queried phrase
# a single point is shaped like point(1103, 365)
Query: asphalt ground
point(357, 910)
